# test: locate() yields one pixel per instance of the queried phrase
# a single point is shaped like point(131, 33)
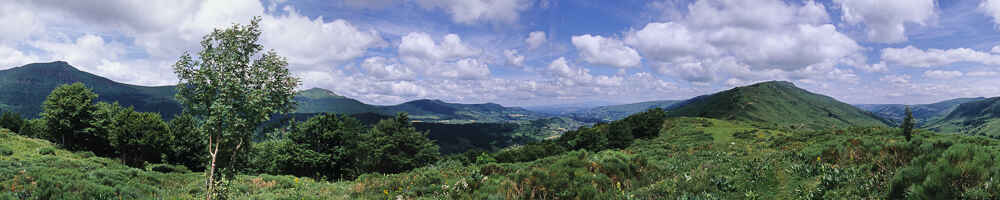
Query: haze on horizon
point(543, 52)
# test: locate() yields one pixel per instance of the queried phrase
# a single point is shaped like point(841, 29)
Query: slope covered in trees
point(778, 103)
point(972, 118)
point(22, 89)
point(924, 114)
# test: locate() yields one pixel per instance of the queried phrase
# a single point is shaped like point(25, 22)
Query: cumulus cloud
point(983, 73)
point(992, 9)
point(914, 57)
point(896, 79)
point(474, 11)
point(535, 39)
point(571, 76)
point(605, 51)
point(450, 58)
point(10, 57)
point(384, 69)
point(513, 58)
point(885, 19)
point(747, 40)
point(942, 74)
point(311, 42)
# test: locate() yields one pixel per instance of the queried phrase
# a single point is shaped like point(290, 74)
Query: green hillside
point(777, 102)
point(23, 89)
point(317, 100)
point(616, 112)
point(690, 158)
point(972, 118)
point(923, 113)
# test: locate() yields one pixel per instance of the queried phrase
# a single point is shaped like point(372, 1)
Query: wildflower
point(296, 180)
point(385, 191)
point(818, 159)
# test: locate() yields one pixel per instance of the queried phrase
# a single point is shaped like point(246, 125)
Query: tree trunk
point(211, 170)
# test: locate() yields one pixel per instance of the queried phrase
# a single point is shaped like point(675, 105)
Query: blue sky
point(543, 52)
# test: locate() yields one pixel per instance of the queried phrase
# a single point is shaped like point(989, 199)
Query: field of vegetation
point(684, 158)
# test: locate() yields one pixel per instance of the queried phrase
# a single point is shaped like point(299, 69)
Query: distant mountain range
point(922, 113)
point(23, 89)
point(980, 117)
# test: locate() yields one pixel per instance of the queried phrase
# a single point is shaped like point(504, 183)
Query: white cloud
point(513, 58)
point(450, 58)
point(384, 69)
point(312, 42)
point(748, 40)
point(983, 73)
point(876, 67)
point(991, 8)
point(914, 57)
point(19, 23)
point(473, 11)
point(535, 39)
point(605, 51)
point(10, 57)
point(571, 76)
point(896, 79)
point(85, 52)
point(884, 19)
point(942, 74)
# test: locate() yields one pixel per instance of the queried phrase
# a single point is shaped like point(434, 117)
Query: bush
point(47, 151)
point(168, 168)
point(6, 151)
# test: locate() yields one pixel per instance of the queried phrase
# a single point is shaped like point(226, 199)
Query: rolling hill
point(23, 89)
point(616, 112)
point(777, 102)
point(923, 114)
point(972, 118)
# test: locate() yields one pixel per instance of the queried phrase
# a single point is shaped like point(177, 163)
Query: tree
point(232, 89)
point(908, 124)
point(396, 146)
point(11, 121)
point(186, 143)
point(139, 137)
point(107, 118)
point(33, 128)
point(338, 137)
point(68, 112)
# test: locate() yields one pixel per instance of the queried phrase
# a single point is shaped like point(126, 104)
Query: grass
point(692, 158)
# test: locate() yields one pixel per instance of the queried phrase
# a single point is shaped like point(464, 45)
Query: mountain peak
point(57, 65)
point(319, 93)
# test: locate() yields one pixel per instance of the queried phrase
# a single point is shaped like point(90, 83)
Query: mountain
point(23, 89)
point(923, 114)
point(972, 118)
point(318, 100)
point(616, 112)
point(777, 102)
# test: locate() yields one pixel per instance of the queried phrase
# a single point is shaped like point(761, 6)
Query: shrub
point(6, 151)
point(47, 151)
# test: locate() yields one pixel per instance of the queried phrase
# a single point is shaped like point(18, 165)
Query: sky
point(542, 52)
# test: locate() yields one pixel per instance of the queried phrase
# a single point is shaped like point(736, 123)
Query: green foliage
point(395, 146)
point(233, 88)
point(186, 143)
point(33, 128)
point(68, 112)
point(11, 121)
point(140, 138)
point(337, 138)
point(907, 125)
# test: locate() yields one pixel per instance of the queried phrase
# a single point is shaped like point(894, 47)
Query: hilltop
point(776, 102)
